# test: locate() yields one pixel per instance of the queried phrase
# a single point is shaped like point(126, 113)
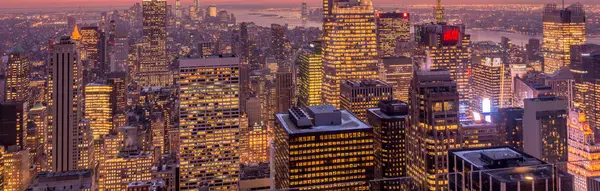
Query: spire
point(75, 35)
point(438, 12)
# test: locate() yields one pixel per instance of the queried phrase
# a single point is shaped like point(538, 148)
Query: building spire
point(76, 35)
point(438, 12)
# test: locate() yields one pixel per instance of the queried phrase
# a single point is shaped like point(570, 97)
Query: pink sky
point(87, 3)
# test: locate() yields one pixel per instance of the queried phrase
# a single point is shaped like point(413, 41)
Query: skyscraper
point(98, 108)
point(398, 72)
point(438, 12)
point(91, 42)
point(357, 96)
point(17, 76)
point(447, 47)
point(561, 29)
point(510, 120)
point(490, 86)
point(178, 10)
point(585, 66)
point(209, 123)
point(390, 121)
point(65, 82)
point(392, 27)
point(306, 145)
point(38, 114)
point(278, 43)
point(310, 75)
point(154, 66)
point(15, 169)
point(211, 11)
point(13, 124)
point(545, 125)
point(582, 144)
point(118, 100)
point(434, 128)
point(284, 90)
point(352, 55)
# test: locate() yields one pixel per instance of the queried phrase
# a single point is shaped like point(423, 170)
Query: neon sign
point(451, 36)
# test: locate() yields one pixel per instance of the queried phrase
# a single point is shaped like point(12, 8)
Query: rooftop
point(210, 61)
point(348, 122)
point(64, 174)
point(497, 158)
point(255, 171)
point(364, 83)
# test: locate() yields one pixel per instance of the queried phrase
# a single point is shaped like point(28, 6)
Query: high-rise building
point(278, 43)
point(13, 124)
point(213, 162)
point(447, 47)
point(120, 56)
point(434, 128)
point(352, 55)
point(66, 104)
point(310, 75)
point(207, 49)
point(15, 171)
point(117, 173)
point(91, 42)
point(582, 144)
point(479, 134)
point(392, 27)
point(118, 101)
point(561, 29)
point(545, 125)
point(178, 10)
point(585, 62)
point(389, 121)
point(17, 76)
point(304, 11)
point(510, 120)
point(38, 115)
point(98, 108)
point(154, 66)
point(397, 72)
point(284, 90)
point(321, 148)
point(438, 12)
point(503, 168)
point(357, 96)
point(212, 11)
point(490, 86)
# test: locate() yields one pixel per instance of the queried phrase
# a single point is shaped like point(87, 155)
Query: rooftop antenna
point(563, 3)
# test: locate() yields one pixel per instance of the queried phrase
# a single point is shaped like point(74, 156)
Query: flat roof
point(349, 122)
point(210, 61)
point(473, 156)
point(378, 113)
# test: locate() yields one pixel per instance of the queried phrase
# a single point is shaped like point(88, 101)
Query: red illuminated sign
point(405, 15)
point(451, 36)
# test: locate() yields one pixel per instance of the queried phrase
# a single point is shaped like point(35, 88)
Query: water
point(292, 18)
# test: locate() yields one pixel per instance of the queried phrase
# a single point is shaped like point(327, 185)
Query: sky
point(24, 4)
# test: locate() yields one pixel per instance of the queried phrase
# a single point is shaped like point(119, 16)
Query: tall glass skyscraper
point(562, 28)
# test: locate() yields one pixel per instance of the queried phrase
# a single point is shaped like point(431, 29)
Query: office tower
point(359, 95)
point(438, 12)
point(447, 47)
point(196, 4)
point(98, 108)
point(178, 10)
point(562, 84)
point(15, 170)
point(207, 49)
point(510, 120)
point(17, 76)
point(284, 90)
point(154, 66)
point(212, 11)
point(78, 180)
point(255, 144)
point(120, 57)
point(490, 86)
point(38, 115)
point(524, 88)
point(278, 43)
point(193, 13)
point(310, 75)
point(561, 29)
point(65, 106)
point(118, 100)
point(532, 48)
point(389, 121)
point(304, 11)
point(13, 124)
point(582, 144)
point(168, 172)
point(397, 72)
point(321, 131)
point(480, 134)
point(131, 163)
point(434, 127)
point(392, 28)
point(352, 55)
point(503, 168)
point(545, 125)
point(585, 60)
point(216, 80)
point(91, 42)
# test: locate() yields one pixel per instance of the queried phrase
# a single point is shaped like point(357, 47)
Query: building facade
point(561, 29)
point(154, 66)
point(357, 96)
point(392, 27)
point(545, 124)
point(310, 75)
